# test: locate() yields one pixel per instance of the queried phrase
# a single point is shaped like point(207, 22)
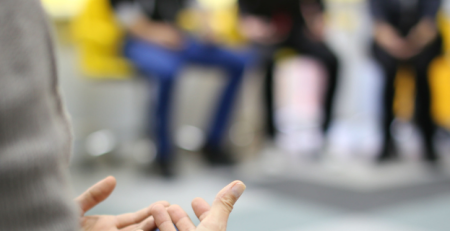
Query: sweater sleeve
point(34, 133)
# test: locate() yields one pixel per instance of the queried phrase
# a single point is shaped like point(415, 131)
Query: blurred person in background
point(36, 141)
point(159, 49)
point(406, 32)
point(295, 24)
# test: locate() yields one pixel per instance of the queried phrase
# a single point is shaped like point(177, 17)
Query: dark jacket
point(158, 10)
point(404, 14)
point(285, 14)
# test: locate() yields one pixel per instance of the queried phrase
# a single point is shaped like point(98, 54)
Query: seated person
point(296, 24)
point(406, 33)
point(160, 50)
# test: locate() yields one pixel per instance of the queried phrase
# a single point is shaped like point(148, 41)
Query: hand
point(259, 30)
point(387, 37)
point(213, 218)
point(166, 36)
point(206, 31)
point(316, 29)
point(162, 34)
point(208, 36)
point(400, 49)
point(315, 21)
point(141, 220)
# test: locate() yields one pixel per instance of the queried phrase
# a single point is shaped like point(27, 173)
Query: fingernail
point(238, 189)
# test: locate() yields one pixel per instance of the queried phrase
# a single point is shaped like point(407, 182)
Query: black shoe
point(387, 154)
point(431, 156)
point(216, 156)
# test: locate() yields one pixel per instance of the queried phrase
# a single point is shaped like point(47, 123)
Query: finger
point(137, 217)
point(180, 218)
point(131, 228)
point(162, 218)
point(201, 208)
point(148, 224)
point(96, 194)
point(224, 202)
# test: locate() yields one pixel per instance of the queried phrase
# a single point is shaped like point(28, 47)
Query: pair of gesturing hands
point(161, 214)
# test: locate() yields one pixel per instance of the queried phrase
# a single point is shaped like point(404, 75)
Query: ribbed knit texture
point(35, 137)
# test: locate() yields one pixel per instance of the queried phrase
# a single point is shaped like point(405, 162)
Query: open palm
point(212, 218)
point(140, 220)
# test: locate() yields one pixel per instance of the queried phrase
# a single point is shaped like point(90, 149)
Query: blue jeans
point(163, 65)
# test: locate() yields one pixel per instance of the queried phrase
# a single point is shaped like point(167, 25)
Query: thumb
point(224, 203)
point(96, 194)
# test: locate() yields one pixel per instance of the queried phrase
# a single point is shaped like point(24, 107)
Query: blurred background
point(335, 113)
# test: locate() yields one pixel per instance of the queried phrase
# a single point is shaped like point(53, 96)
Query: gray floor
point(284, 201)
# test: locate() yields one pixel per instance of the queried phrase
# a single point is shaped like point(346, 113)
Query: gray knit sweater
point(34, 134)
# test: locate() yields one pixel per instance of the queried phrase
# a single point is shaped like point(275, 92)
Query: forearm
point(385, 33)
point(424, 33)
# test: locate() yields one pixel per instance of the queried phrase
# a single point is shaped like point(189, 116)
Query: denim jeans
point(163, 66)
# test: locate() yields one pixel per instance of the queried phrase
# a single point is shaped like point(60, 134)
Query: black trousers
point(317, 50)
point(422, 114)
